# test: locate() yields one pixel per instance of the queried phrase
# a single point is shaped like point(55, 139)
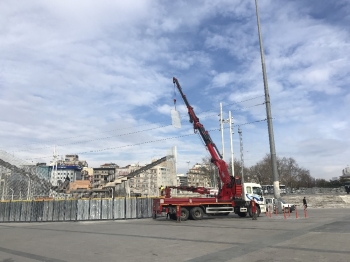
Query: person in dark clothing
point(304, 203)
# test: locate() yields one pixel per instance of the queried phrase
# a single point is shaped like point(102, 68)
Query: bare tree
point(290, 173)
point(208, 170)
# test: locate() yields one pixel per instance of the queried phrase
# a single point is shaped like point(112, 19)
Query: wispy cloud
point(74, 71)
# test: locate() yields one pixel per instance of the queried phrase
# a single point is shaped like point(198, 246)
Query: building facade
point(100, 174)
point(73, 160)
point(197, 177)
point(71, 167)
point(346, 175)
point(181, 180)
point(149, 182)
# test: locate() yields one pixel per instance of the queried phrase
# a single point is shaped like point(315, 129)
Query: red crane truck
point(229, 198)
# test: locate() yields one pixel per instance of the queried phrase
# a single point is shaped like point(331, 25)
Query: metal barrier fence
point(75, 210)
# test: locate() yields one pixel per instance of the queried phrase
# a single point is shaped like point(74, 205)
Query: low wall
point(320, 200)
point(75, 210)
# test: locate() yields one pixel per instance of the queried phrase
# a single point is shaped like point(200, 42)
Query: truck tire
point(184, 214)
point(196, 213)
point(242, 214)
point(250, 212)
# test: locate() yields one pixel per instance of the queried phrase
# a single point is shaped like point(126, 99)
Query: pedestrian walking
point(304, 203)
point(167, 212)
point(253, 209)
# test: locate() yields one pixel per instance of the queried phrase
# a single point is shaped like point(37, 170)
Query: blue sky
point(97, 76)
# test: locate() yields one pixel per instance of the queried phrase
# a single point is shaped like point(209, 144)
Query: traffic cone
point(296, 212)
point(305, 213)
point(284, 213)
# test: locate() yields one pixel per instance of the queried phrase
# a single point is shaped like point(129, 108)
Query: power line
point(234, 103)
point(146, 142)
point(112, 130)
point(72, 137)
point(101, 138)
point(240, 109)
point(108, 137)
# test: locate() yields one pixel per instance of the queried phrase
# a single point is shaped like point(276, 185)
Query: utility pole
point(268, 113)
point(242, 159)
point(222, 131)
point(241, 147)
point(229, 121)
point(231, 142)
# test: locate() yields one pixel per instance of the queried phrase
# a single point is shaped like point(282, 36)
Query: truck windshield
point(257, 191)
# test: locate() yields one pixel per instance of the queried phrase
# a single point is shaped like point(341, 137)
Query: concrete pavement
point(323, 236)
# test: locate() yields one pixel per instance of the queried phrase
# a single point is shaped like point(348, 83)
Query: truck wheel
point(242, 214)
point(197, 213)
point(184, 214)
point(258, 211)
point(250, 212)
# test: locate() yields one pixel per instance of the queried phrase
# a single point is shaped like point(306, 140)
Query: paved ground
point(323, 236)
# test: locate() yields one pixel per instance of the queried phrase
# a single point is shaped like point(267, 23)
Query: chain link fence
point(20, 180)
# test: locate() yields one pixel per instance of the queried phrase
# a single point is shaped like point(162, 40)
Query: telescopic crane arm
point(196, 124)
point(231, 187)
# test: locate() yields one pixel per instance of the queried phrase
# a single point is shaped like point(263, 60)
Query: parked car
point(271, 202)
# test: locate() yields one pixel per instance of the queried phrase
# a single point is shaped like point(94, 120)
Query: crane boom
point(231, 186)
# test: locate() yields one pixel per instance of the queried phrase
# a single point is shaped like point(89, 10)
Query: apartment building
point(198, 177)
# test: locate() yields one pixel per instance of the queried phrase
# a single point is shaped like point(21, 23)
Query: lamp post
point(268, 113)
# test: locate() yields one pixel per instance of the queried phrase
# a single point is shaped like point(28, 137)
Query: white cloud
point(84, 68)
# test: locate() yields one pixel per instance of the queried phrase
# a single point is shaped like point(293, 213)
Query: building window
point(249, 190)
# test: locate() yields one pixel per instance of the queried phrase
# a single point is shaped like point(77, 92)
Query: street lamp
point(188, 165)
